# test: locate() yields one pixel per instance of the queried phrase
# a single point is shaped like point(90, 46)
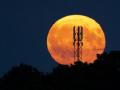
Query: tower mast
point(77, 42)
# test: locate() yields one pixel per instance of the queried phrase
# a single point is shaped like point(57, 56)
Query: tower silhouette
point(77, 42)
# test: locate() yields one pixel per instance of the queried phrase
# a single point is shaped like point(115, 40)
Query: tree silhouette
point(23, 77)
point(104, 73)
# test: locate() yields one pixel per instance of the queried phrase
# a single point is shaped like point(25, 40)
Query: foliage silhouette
point(104, 73)
point(23, 77)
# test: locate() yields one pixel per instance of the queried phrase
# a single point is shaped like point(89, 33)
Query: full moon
point(60, 39)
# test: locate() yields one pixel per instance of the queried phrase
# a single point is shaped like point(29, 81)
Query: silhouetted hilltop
point(23, 77)
point(104, 73)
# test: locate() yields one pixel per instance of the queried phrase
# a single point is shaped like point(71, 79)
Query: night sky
point(24, 25)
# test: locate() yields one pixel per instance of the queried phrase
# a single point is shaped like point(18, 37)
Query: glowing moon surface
point(60, 39)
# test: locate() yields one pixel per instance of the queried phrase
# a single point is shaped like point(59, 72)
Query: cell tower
point(77, 42)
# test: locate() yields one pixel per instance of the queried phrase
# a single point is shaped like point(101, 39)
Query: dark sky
point(24, 25)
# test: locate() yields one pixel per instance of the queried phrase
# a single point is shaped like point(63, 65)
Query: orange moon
point(60, 39)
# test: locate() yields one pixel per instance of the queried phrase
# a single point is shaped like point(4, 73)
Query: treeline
point(104, 73)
